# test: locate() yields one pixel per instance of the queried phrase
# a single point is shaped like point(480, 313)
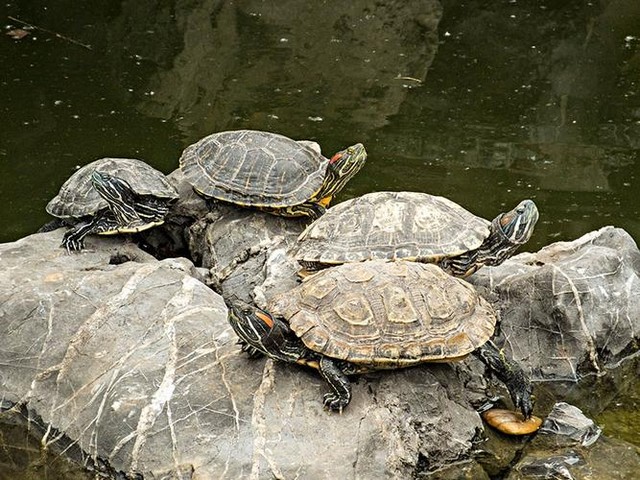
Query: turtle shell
point(254, 168)
point(77, 197)
point(391, 225)
point(387, 314)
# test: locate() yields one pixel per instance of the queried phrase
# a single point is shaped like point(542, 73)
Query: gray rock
point(119, 352)
point(606, 459)
point(571, 309)
point(570, 426)
point(246, 252)
point(132, 361)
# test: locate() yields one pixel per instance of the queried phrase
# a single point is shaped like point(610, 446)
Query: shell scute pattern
point(387, 314)
point(391, 225)
point(77, 197)
point(254, 168)
point(354, 310)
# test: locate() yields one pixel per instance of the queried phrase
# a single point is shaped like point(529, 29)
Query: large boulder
point(571, 309)
point(117, 352)
point(131, 360)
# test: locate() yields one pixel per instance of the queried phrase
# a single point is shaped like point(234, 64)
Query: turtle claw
point(71, 243)
point(72, 246)
point(520, 389)
point(511, 374)
point(250, 350)
point(334, 402)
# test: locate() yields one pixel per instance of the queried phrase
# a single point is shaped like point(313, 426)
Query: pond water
point(485, 105)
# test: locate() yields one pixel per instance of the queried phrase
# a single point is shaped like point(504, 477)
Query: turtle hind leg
point(340, 396)
point(510, 373)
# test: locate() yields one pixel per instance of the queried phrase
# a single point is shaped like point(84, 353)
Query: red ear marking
point(336, 157)
point(265, 317)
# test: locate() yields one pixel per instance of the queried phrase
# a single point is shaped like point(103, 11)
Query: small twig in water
point(62, 37)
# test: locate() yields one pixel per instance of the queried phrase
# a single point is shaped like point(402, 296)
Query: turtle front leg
point(511, 374)
point(251, 351)
point(462, 265)
point(73, 240)
point(312, 210)
point(340, 396)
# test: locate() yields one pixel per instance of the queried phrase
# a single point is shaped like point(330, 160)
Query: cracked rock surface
point(578, 302)
point(131, 360)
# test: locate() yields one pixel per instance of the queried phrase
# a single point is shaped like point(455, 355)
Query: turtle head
point(130, 209)
point(508, 231)
point(341, 168)
point(113, 189)
point(119, 196)
point(267, 334)
point(517, 224)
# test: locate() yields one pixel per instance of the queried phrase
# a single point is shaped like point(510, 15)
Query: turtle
point(109, 196)
point(373, 315)
point(413, 226)
point(268, 171)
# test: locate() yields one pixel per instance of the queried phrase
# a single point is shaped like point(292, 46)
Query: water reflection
point(485, 104)
point(291, 64)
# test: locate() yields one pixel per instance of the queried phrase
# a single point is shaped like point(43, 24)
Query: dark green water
point(533, 106)
point(520, 100)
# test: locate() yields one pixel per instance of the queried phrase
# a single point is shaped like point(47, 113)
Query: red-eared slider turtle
point(373, 315)
point(268, 171)
point(112, 195)
point(414, 226)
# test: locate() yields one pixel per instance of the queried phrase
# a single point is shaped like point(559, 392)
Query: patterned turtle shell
point(77, 198)
point(391, 225)
point(254, 169)
point(381, 314)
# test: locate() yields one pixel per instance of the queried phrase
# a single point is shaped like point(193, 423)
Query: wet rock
point(607, 459)
point(570, 426)
point(571, 309)
point(570, 446)
point(467, 470)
